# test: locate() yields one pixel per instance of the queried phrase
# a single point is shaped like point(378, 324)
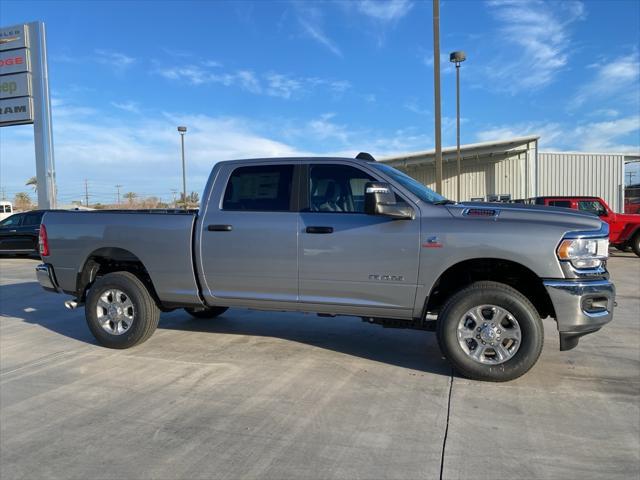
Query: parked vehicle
point(624, 229)
point(340, 236)
point(6, 210)
point(19, 233)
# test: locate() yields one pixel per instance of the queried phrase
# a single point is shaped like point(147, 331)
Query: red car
point(624, 229)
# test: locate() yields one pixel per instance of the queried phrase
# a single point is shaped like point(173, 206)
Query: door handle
point(219, 228)
point(319, 230)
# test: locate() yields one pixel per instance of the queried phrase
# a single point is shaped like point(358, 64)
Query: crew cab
point(340, 236)
point(624, 229)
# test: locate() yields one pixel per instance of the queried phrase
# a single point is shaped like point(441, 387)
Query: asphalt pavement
point(293, 396)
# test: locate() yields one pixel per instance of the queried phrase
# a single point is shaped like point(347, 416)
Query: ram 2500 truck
point(340, 236)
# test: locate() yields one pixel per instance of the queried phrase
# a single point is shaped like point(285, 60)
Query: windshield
point(419, 190)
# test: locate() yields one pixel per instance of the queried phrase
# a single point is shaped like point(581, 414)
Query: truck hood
point(565, 218)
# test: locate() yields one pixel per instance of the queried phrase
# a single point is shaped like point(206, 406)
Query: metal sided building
point(515, 169)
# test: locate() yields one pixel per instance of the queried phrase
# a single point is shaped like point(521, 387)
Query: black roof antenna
point(365, 156)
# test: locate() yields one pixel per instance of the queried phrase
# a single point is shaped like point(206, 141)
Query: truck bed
point(161, 240)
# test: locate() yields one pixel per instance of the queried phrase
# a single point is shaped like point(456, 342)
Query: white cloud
point(282, 86)
point(619, 135)
point(385, 11)
point(129, 106)
point(413, 106)
point(619, 77)
point(538, 42)
point(314, 31)
point(273, 84)
point(118, 60)
point(142, 154)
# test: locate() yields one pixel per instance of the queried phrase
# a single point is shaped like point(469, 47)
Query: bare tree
point(22, 201)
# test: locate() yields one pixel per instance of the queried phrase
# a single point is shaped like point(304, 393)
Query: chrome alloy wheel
point(489, 334)
point(115, 311)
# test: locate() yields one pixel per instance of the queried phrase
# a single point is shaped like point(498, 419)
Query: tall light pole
point(182, 130)
point(458, 58)
point(436, 91)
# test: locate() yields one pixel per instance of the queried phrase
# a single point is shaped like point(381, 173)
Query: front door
point(348, 257)
point(249, 242)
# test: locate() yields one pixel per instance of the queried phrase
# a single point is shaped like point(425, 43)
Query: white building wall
point(601, 175)
point(511, 174)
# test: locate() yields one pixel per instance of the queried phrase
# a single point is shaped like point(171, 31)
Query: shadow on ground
point(348, 335)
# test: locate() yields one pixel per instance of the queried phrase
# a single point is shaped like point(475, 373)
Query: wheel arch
point(112, 259)
point(511, 273)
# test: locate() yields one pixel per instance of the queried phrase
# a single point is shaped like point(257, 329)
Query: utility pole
point(86, 192)
point(182, 130)
point(458, 58)
point(118, 187)
point(436, 88)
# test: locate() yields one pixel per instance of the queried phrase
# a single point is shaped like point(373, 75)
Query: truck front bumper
point(46, 278)
point(581, 307)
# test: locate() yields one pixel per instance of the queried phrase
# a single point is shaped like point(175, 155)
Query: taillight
point(43, 241)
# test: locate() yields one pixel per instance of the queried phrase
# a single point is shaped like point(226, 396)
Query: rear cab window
point(591, 206)
point(260, 188)
point(560, 203)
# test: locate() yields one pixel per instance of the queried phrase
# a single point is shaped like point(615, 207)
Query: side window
point(32, 219)
point(560, 203)
point(12, 221)
point(337, 188)
point(591, 206)
point(263, 188)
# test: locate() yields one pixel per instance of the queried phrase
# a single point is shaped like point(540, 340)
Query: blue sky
point(289, 78)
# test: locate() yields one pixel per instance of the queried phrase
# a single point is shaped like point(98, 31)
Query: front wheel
point(120, 311)
point(490, 331)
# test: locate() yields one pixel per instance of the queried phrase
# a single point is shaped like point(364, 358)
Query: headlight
point(584, 252)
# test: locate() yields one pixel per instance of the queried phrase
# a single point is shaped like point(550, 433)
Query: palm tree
point(33, 181)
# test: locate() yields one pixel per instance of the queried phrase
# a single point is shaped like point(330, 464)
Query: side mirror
point(379, 199)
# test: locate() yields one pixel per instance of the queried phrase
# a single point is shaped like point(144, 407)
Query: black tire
point(635, 244)
point(211, 312)
point(146, 313)
point(505, 297)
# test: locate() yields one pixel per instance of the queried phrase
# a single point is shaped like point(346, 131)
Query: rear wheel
point(120, 311)
point(490, 331)
point(635, 244)
point(210, 312)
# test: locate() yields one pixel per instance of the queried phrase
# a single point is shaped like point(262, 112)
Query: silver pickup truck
point(340, 236)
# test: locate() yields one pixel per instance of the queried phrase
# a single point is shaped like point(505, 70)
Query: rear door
point(27, 234)
point(350, 258)
point(9, 232)
point(249, 240)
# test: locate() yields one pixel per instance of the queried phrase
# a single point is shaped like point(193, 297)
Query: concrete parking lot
point(282, 395)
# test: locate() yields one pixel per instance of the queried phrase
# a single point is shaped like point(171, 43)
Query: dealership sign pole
point(24, 97)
